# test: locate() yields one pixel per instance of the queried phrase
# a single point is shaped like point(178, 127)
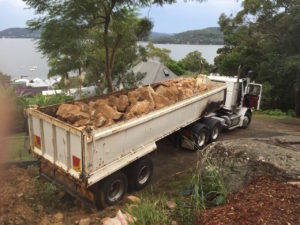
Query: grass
point(18, 148)
point(193, 192)
point(151, 210)
point(276, 113)
point(46, 195)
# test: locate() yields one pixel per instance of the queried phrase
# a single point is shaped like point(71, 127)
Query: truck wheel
point(215, 132)
point(200, 138)
point(140, 174)
point(112, 190)
point(247, 120)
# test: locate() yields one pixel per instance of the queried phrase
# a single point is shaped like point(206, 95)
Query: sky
point(178, 17)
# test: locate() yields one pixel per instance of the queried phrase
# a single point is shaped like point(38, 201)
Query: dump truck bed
point(87, 157)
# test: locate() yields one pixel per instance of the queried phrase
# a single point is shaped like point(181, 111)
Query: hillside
point(211, 35)
point(19, 33)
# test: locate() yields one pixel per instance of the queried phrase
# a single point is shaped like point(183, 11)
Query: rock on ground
point(241, 160)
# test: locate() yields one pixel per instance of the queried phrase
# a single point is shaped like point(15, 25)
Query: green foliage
point(18, 148)
point(45, 195)
point(162, 54)
point(276, 113)
point(95, 37)
point(192, 61)
point(207, 190)
point(42, 100)
point(264, 38)
point(151, 210)
point(176, 67)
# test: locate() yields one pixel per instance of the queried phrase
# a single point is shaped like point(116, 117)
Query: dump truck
point(99, 165)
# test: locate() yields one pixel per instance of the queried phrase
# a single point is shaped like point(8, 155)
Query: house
point(155, 72)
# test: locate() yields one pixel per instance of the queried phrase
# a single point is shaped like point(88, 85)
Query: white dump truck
point(99, 165)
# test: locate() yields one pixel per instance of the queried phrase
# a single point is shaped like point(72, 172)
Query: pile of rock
point(109, 110)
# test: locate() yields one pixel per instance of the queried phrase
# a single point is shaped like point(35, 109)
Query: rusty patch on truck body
point(72, 186)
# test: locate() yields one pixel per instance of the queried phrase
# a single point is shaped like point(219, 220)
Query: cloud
point(189, 15)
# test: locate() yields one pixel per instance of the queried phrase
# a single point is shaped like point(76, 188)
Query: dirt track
point(169, 161)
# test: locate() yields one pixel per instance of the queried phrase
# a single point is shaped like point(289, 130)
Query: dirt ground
point(262, 127)
point(265, 201)
point(25, 199)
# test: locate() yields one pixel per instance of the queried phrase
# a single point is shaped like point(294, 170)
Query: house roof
point(155, 72)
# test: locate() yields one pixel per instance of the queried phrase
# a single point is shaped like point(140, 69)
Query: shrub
point(151, 210)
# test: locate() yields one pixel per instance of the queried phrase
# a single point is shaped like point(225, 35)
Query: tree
point(81, 35)
point(192, 62)
point(264, 37)
point(162, 54)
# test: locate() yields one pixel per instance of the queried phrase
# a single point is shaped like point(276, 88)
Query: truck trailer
point(98, 166)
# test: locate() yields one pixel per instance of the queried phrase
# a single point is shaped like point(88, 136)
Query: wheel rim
point(245, 121)
point(144, 175)
point(201, 139)
point(116, 190)
point(215, 133)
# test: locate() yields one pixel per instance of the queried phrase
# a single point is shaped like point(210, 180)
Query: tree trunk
point(297, 102)
point(109, 80)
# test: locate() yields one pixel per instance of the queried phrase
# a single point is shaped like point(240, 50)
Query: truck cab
point(242, 97)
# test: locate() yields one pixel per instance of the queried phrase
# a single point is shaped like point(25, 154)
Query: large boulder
point(171, 92)
point(160, 101)
point(71, 113)
point(110, 113)
point(120, 102)
point(138, 109)
point(141, 94)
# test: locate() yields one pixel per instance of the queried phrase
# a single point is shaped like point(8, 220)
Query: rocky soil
point(114, 108)
point(265, 201)
point(242, 160)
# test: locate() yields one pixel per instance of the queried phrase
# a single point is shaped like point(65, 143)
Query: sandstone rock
point(296, 183)
point(85, 221)
point(160, 101)
point(100, 120)
point(171, 204)
point(171, 92)
point(92, 104)
point(100, 102)
point(112, 100)
point(138, 109)
point(58, 216)
point(123, 103)
point(133, 199)
point(71, 113)
point(173, 222)
point(83, 107)
point(141, 94)
point(108, 112)
point(110, 109)
point(185, 93)
point(83, 122)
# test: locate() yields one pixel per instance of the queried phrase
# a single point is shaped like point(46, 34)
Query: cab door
point(252, 96)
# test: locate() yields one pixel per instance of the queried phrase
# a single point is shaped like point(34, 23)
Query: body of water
point(20, 57)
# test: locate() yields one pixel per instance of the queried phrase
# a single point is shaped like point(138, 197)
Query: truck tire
point(140, 173)
point(111, 190)
point(247, 120)
point(200, 137)
point(215, 132)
